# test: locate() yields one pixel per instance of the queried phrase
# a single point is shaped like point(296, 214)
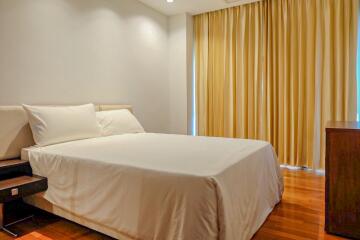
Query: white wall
point(77, 51)
point(180, 73)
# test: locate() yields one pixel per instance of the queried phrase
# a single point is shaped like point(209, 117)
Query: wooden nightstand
point(16, 182)
point(13, 168)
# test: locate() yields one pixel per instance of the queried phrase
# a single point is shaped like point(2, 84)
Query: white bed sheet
point(157, 186)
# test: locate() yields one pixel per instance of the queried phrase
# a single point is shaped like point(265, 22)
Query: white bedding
point(157, 186)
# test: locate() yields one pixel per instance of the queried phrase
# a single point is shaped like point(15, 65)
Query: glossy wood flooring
point(300, 216)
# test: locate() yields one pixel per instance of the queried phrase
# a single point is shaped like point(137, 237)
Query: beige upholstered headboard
point(15, 132)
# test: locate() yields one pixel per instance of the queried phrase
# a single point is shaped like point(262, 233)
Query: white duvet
point(164, 187)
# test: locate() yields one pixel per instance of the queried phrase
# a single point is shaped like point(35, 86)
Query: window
point(358, 75)
point(194, 98)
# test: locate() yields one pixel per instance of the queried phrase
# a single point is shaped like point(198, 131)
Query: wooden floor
point(300, 216)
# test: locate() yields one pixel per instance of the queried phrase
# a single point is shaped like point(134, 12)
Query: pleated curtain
point(277, 70)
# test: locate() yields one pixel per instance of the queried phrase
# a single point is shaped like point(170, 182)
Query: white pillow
point(118, 122)
point(51, 125)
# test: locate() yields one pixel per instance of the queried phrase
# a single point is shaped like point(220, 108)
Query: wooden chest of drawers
point(343, 179)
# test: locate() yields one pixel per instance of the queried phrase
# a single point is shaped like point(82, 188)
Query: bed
point(159, 186)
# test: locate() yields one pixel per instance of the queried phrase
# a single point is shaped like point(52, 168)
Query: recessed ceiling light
point(170, 1)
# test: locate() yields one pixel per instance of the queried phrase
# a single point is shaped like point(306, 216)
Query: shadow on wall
point(77, 51)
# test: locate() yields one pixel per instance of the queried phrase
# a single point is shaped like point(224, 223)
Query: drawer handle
point(14, 192)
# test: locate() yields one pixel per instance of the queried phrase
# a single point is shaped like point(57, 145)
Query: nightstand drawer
point(20, 187)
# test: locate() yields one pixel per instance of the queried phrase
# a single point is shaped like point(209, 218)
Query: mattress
point(25, 153)
point(158, 186)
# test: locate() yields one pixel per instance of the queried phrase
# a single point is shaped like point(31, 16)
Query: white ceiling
point(192, 6)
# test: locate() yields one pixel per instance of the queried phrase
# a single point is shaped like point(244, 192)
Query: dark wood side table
point(16, 182)
point(342, 193)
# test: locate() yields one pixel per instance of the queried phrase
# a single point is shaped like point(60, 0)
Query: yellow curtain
point(277, 70)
